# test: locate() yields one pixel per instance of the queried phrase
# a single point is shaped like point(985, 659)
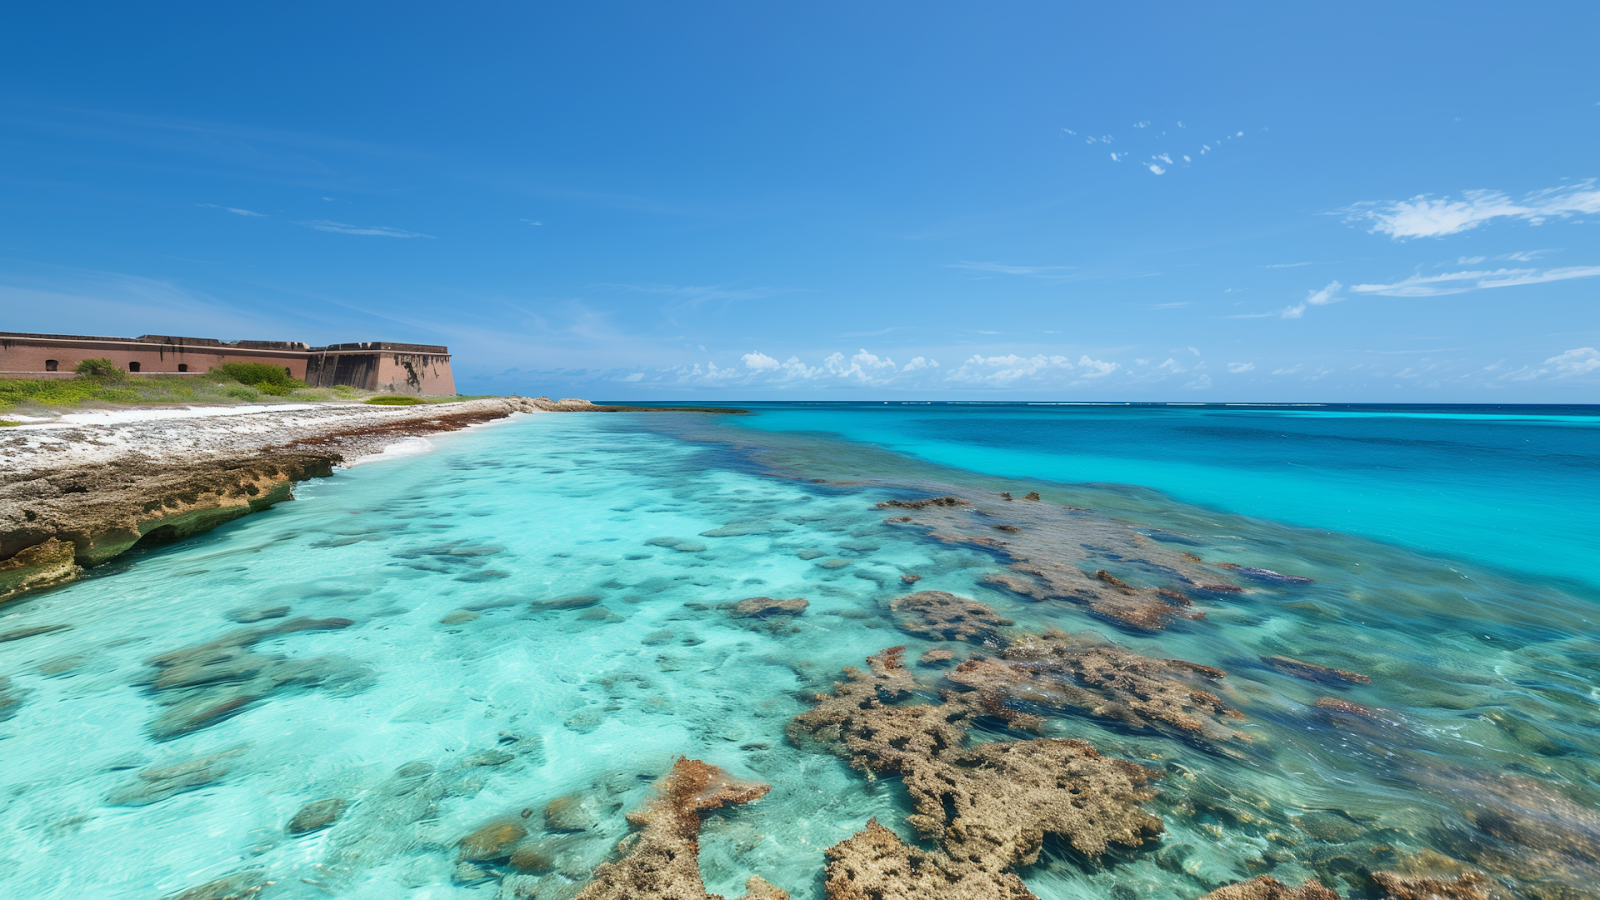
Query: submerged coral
point(942, 616)
point(1051, 552)
point(1081, 673)
point(988, 807)
point(663, 858)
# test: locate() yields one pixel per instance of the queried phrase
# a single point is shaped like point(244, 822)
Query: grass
point(395, 400)
point(163, 390)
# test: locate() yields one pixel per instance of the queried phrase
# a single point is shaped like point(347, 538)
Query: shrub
point(264, 377)
point(100, 368)
point(241, 392)
point(393, 400)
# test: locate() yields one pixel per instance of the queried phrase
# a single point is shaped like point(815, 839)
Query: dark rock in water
point(1222, 589)
point(1314, 672)
point(531, 857)
point(1006, 495)
point(1397, 887)
point(1269, 575)
point(1334, 704)
point(811, 554)
point(663, 859)
point(924, 503)
point(570, 813)
point(460, 617)
point(492, 841)
point(657, 638)
point(1011, 529)
point(585, 721)
point(1265, 888)
point(485, 575)
point(316, 815)
point(935, 658)
point(1032, 495)
point(761, 607)
point(10, 698)
point(599, 614)
point(157, 783)
point(582, 601)
point(21, 633)
point(834, 563)
point(250, 614)
point(908, 578)
point(491, 757)
point(945, 617)
point(203, 684)
point(60, 664)
point(238, 886)
point(897, 520)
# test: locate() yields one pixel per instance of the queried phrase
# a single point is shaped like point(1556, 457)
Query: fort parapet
point(384, 366)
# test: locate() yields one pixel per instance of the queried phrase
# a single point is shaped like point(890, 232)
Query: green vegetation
point(101, 369)
point(395, 400)
point(266, 378)
point(5, 424)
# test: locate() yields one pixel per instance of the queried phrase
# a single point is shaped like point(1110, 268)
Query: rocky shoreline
point(74, 495)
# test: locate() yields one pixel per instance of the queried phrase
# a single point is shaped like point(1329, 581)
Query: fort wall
point(420, 369)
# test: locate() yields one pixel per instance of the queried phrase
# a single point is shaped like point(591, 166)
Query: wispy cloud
point(1287, 265)
point(236, 211)
point(1461, 282)
point(1327, 295)
point(1581, 361)
point(378, 230)
point(1426, 216)
point(1237, 368)
point(1004, 269)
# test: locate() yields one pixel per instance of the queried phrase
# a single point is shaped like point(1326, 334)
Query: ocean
point(1385, 617)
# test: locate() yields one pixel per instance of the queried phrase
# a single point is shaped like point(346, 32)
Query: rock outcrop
point(945, 617)
point(988, 807)
point(662, 860)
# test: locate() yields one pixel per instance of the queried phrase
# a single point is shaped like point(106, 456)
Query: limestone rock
point(42, 565)
point(238, 886)
point(761, 607)
point(1265, 888)
point(316, 815)
point(942, 616)
point(663, 857)
point(570, 813)
point(1314, 672)
point(491, 841)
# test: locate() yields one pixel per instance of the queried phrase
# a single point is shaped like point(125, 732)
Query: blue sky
point(1366, 202)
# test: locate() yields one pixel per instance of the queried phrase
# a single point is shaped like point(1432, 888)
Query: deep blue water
point(1514, 486)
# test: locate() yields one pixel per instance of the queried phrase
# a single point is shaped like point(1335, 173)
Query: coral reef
point(663, 857)
point(1389, 887)
point(1314, 672)
point(942, 616)
point(1051, 551)
point(988, 807)
point(1083, 674)
point(761, 607)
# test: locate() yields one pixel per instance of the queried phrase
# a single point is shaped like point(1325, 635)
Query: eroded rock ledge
point(75, 497)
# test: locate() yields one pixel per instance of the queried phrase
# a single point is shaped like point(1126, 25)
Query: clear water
point(1487, 673)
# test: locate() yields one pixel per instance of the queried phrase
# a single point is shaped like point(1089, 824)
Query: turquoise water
point(1516, 486)
point(536, 609)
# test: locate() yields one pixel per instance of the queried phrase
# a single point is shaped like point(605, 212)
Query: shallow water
point(1484, 682)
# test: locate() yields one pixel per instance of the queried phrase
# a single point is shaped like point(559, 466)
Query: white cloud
point(1200, 383)
point(1171, 365)
point(1327, 295)
point(1236, 368)
point(920, 363)
point(637, 376)
point(1424, 216)
point(1003, 269)
point(1163, 157)
point(863, 366)
point(1285, 265)
point(235, 211)
point(999, 370)
point(760, 361)
point(1581, 361)
point(1461, 282)
point(342, 228)
point(1097, 368)
point(1156, 169)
